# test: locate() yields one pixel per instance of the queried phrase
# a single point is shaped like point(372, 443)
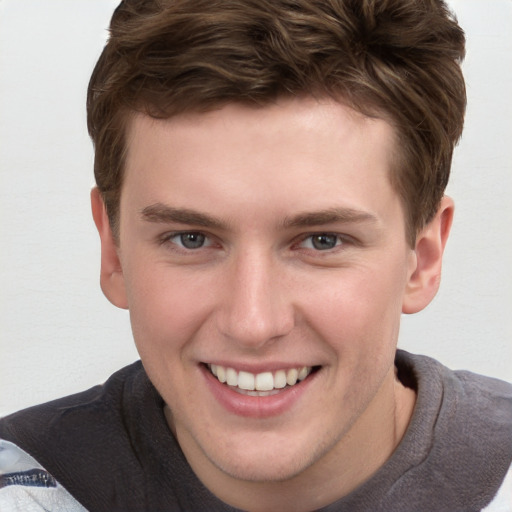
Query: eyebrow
point(161, 213)
point(329, 216)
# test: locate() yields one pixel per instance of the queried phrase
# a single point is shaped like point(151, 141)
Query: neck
point(355, 458)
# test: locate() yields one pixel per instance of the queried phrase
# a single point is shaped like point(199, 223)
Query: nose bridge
point(255, 310)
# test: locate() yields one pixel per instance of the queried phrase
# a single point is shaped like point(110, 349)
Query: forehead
point(260, 122)
point(295, 150)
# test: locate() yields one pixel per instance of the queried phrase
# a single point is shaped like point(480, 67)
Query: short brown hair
point(394, 59)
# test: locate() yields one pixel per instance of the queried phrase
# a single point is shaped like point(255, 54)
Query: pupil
point(192, 240)
point(323, 242)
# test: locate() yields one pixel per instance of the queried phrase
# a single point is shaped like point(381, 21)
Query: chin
point(268, 470)
point(268, 461)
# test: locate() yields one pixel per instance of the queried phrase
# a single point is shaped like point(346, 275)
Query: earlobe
point(111, 275)
point(424, 279)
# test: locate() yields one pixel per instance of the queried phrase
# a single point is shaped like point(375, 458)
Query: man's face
point(255, 244)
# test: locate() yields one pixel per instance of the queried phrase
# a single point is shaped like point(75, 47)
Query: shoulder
point(467, 406)
point(502, 502)
point(108, 392)
point(104, 400)
point(464, 422)
point(82, 414)
point(477, 397)
point(493, 396)
point(77, 437)
point(26, 485)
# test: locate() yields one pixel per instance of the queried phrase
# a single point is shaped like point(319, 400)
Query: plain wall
point(59, 335)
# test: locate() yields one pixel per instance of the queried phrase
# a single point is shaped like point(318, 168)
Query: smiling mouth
point(260, 384)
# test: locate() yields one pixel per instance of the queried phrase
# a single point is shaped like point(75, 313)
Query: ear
point(111, 275)
point(423, 283)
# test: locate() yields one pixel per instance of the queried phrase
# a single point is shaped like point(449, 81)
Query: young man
point(270, 199)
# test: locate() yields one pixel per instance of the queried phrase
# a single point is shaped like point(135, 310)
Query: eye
point(322, 241)
point(189, 240)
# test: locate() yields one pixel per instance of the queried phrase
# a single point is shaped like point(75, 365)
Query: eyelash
point(168, 237)
point(341, 241)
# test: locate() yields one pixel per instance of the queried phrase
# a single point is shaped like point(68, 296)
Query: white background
point(59, 335)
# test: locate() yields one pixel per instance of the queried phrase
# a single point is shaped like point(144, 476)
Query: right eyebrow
point(164, 214)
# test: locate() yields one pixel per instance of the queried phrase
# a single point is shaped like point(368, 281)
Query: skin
point(259, 294)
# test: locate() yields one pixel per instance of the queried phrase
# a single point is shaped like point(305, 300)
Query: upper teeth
point(265, 381)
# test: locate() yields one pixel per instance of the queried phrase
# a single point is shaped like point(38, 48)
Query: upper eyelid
point(341, 236)
point(168, 235)
point(347, 247)
point(175, 232)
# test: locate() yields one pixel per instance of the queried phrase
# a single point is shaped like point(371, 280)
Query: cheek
point(166, 308)
point(359, 312)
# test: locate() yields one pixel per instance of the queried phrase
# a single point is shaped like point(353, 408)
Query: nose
point(255, 310)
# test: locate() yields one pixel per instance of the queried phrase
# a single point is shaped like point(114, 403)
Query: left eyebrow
point(329, 216)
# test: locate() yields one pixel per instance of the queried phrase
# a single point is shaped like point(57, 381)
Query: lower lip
point(256, 406)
